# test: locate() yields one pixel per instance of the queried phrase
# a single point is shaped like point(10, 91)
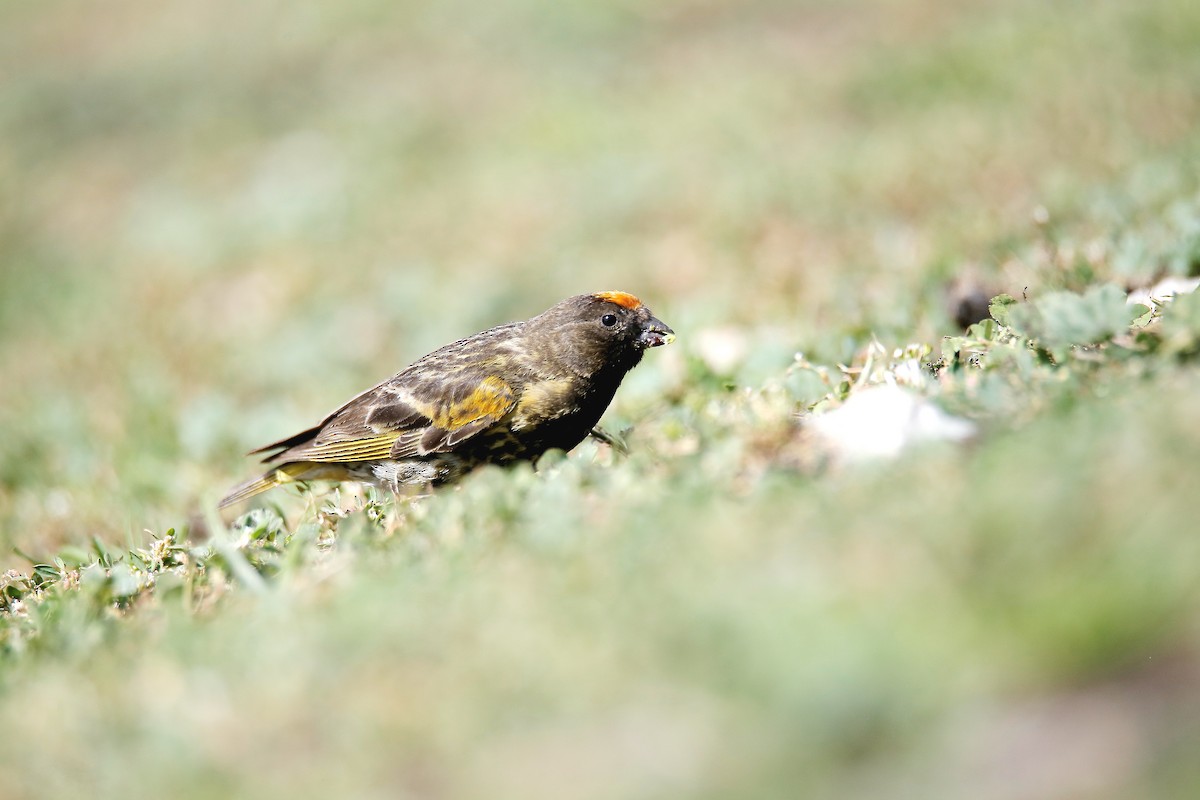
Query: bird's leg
point(612, 440)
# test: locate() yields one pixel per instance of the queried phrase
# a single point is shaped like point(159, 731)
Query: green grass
point(222, 221)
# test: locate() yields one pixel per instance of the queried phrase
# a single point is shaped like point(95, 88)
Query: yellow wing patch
point(490, 400)
point(622, 299)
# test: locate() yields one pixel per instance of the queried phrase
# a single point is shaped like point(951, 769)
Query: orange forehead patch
point(623, 299)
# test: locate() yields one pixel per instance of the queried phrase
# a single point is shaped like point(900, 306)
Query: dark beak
point(655, 333)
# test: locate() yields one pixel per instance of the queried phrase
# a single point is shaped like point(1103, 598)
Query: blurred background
point(221, 219)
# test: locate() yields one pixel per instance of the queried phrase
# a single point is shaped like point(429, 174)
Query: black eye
point(608, 320)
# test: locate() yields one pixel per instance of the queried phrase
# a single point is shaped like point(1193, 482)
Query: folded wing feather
point(395, 420)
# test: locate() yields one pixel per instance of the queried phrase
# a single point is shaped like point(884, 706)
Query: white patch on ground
point(1163, 291)
point(881, 422)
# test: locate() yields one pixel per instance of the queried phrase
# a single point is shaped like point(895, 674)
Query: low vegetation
point(220, 230)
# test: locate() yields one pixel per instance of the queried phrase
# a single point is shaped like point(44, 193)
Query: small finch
point(508, 394)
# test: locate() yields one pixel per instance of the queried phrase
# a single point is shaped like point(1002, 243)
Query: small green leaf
point(47, 572)
point(102, 552)
point(17, 588)
point(984, 331)
point(999, 308)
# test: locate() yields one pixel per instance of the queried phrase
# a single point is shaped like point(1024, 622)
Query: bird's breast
point(545, 400)
point(557, 413)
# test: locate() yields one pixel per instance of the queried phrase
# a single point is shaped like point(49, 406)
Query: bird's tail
point(284, 473)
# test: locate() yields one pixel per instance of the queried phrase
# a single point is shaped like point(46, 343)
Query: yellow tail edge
point(285, 473)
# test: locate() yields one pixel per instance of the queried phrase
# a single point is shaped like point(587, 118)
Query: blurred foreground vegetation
point(222, 221)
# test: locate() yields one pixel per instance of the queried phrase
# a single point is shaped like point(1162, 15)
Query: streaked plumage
point(507, 394)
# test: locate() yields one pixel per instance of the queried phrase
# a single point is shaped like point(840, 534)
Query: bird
point(504, 395)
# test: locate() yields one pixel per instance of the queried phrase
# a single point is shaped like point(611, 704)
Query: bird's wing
point(411, 415)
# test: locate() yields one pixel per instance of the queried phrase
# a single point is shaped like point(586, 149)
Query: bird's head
point(597, 333)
